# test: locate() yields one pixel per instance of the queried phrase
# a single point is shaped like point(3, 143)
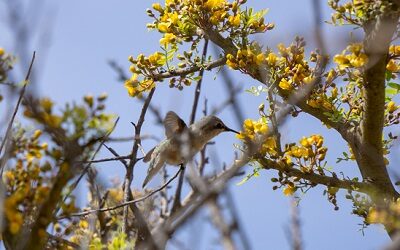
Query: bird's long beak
point(231, 130)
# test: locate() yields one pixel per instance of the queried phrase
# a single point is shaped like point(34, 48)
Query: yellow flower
point(304, 142)
point(282, 49)
point(157, 59)
point(147, 84)
point(46, 104)
point(358, 61)
point(14, 227)
point(308, 79)
point(163, 27)
point(284, 84)
point(52, 120)
point(157, 7)
point(355, 48)
point(131, 85)
point(248, 124)
point(231, 64)
point(289, 190)
point(260, 59)
point(212, 4)
point(313, 103)
point(271, 59)
point(334, 93)
point(83, 224)
point(341, 60)
point(298, 152)
point(234, 20)
point(36, 134)
point(167, 39)
point(391, 107)
point(173, 18)
point(392, 66)
point(218, 16)
point(2, 52)
point(169, 2)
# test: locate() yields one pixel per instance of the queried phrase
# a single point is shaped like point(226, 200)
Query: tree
point(352, 93)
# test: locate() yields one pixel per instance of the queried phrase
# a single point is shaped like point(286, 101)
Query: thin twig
point(112, 151)
point(11, 122)
point(133, 159)
point(123, 204)
point(177, 199)
point(108, 159)
point(75, 184)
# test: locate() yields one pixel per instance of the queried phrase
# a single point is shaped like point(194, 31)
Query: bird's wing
point(155, 165)
point(173, 124)
point(147, 157)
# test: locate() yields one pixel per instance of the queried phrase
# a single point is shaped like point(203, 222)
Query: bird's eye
point(219, 126)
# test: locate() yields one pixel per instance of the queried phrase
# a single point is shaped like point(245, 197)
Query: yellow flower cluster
point(2, 51)
point(351, 57)
point(245, 58)
point(143, 62)
point(188, 21)
point(394, 54)
point(168, 23)
point(256, 132)
point(136, 87)
point(146, 66)
point(290, 68)
point(321, 101)
point(25, 181)
point(46, 115)
point(14, 217)
point(310, 150)
point(176, 17)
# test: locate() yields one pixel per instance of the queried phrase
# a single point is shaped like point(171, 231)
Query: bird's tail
point(154, 168)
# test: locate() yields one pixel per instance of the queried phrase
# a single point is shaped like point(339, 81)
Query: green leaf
point(391, 92)
point(254, 174)
point(388, 75)
point(394, 85)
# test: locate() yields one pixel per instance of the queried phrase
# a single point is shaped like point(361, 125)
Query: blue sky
point(86, 34)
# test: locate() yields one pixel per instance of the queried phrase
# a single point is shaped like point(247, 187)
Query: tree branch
point(177, 199)
point(122, 204)
point(183, 72)
point(133, 159)
point(369, 152)
point(316, 178)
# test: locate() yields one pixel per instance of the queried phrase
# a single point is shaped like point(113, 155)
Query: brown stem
point(133, 160)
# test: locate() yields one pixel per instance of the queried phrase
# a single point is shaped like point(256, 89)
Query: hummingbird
point(182, 142)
